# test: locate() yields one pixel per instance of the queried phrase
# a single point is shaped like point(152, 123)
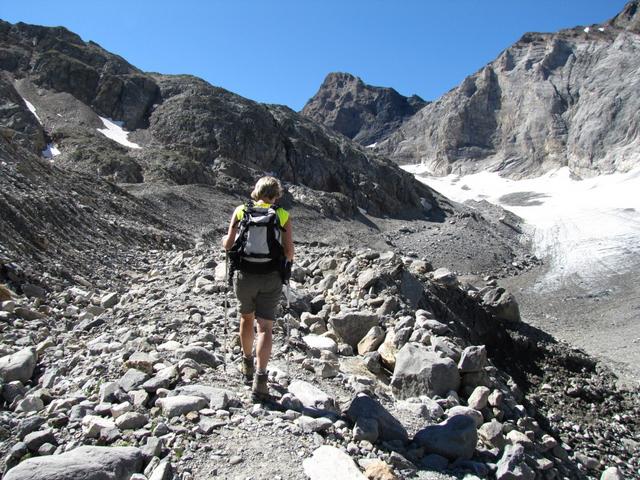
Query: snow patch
point(586, 230)
point(373, 145)
point(51, 151)
point(113, 130)
point(601, 29)
point(587, 30)
point(32, 109)
point(362, 211)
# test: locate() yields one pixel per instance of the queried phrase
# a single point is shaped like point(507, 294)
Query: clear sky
point(279, 51)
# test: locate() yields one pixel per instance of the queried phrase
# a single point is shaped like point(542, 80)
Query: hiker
point(259, 277)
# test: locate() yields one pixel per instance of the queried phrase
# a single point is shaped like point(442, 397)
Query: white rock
point(329, 463)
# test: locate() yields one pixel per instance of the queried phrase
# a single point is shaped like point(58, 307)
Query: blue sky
point(280, 51)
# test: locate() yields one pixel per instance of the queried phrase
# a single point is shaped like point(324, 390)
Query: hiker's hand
point(286, 270)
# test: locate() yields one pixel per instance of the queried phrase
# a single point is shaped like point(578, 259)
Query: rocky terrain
point(390, 369)
point(550, 100)
point(364, 113)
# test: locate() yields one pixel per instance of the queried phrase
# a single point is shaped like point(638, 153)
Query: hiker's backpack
point(258, 244)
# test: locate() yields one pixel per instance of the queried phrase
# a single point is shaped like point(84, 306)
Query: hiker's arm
point(287, 241)
point(230, 237)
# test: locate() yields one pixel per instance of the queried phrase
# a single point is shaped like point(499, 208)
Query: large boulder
point(420, 371)
point(82, 463)
point(454, 438)
point(18, 366)
point(353, 326)
point(389, 427)
point(502, 304)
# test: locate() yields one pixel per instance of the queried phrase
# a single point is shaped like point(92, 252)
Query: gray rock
point(445, 277)
point(34, 291)
point(165, 378)
point(425, 408)
point(473, 359)
point(312, 397)
point(371, 341)
point(208, 424)
point(28, 425)
point(109, 300)
point(218, 398)
point(502, 304)
point(200, 355)
point(331, 463)
point(491, 434)
point(131, 421)
point(35, 440)
point(320, 342)
point(420, 371)
point(512, 465)
point(363, 406)
point(454, 438)
point(164, 471)
point(479, 398)
point(82, 463)
point(132, 379)
point(13, 390)
point(353, 326)
point(371, 360)
point(435, 462)
point(181, 404)
point(475, 415)
point(18, 366)
point(366, 428)
point(310, 424)
point(611, 473)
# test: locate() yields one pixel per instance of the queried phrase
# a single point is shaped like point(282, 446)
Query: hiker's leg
point(246, 333)
point(264, 343)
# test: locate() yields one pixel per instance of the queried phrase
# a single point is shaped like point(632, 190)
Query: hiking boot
point(247, 369)
point(260, 389)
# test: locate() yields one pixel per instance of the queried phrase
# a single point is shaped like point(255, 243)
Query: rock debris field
point(391, 370)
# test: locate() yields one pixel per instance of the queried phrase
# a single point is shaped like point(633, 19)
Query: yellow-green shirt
point(283, 215)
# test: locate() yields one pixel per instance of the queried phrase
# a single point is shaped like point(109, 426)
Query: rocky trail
point(391, 371)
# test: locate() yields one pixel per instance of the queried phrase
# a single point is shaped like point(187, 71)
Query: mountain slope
point(361, 112)
point(549, 100)
point(183, 130)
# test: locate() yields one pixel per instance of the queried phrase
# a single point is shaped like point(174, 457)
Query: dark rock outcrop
point(362, 112)
point(549, 100)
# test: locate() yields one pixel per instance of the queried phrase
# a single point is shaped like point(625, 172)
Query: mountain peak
point(359, 111)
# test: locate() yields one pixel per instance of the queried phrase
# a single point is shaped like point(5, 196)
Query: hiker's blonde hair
point(267, 188)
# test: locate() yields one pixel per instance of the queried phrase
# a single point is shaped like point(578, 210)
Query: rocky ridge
point(391, 370)
point(60, 91)
point(364, 113)
point(550, 100)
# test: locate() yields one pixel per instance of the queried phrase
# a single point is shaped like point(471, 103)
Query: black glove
point(286, 270)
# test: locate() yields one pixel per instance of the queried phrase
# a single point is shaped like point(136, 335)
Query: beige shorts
point(258, 292)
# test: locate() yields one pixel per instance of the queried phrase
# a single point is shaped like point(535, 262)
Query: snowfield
point(585, 230)
point(115, 132)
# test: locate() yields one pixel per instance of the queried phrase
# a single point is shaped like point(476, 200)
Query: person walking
point(260, 245)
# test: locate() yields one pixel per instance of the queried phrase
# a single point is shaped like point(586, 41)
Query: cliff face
point(549, 100)
point(361, 112)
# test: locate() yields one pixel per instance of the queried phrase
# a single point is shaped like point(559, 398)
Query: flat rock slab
point(181, 404)
point(311, 397)
point(330, 463)
point(83, 463)
point(218, 398)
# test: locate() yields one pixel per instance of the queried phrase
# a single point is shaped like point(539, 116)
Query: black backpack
point(258, 244)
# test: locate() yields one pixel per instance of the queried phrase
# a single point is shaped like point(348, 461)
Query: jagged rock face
point(361, 112)
point(224, 132)
point(59, 60)
point(550, 100)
